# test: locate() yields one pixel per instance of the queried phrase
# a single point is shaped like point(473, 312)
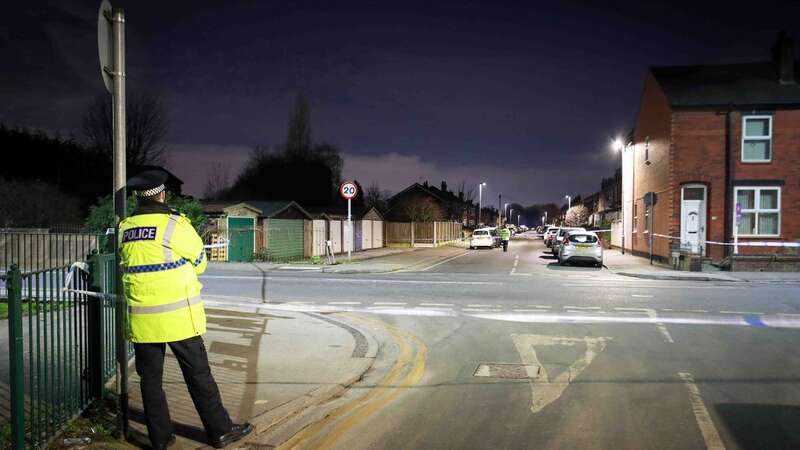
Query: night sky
point(522, 95)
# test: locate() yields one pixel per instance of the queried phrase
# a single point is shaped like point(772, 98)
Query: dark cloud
point(459, 85)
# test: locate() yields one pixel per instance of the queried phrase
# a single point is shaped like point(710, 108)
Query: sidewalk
point(380, 260)
point(268, 367)
point(639, 267)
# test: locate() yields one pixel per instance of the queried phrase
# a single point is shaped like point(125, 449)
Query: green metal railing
point(61, 344)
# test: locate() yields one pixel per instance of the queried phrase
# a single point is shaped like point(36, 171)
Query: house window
point(635, 218)
point(757, 139)
point(761, 211)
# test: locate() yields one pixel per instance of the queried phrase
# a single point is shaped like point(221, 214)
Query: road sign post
point(349, 190)
point(111, 49)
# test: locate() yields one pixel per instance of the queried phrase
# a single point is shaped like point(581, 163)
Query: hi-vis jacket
point(505, 234)
point(162, 255)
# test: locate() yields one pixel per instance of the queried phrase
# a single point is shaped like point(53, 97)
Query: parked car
point(549, 235)
point(559, 238)
point(495, 235)
point(581, 246)
point(481, 237)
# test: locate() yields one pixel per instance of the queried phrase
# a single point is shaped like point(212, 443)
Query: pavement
point(269, 368)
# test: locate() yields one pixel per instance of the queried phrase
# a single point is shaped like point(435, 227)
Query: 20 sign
point(348, 190)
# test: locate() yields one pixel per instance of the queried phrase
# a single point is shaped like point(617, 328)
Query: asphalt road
point(509, 350)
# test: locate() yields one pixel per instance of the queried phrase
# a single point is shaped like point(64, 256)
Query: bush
point(101, 216)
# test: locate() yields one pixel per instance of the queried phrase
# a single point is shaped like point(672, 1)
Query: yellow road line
point(354, 413)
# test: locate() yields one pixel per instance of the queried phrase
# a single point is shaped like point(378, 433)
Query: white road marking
point(435, 304)
point(582, 307)
point(344, 303)
point(530, 310)
point(389, 303)
point(788, 314)
point(544, 390)
point(746, 313)
point(346, 280)
point(522, 274)
point(512, 271)
point(479, 305)
point(481, 310)
point(301, 303)
point(641, 295)
point(445, 261)
point(701, 415)
point(541, 306)
point(685, 310)
point(652, 314)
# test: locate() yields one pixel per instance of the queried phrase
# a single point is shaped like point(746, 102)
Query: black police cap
point(148, 183)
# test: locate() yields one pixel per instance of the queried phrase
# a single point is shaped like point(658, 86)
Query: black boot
point(165, 446)
point(237, 432)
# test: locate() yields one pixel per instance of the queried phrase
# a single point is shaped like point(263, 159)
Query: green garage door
point(241, 232)
point(285, 239)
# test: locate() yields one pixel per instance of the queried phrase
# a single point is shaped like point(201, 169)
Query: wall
point(649, 171)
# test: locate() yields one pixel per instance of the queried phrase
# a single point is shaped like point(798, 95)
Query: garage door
point(318, 231)
point(377, 233)
point(285, 239)
point(335, 234)
point(366, 234)
point(241, 236)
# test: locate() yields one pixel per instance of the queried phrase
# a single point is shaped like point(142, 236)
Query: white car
point(558, 239)
point(482, 237)
point(582, 246)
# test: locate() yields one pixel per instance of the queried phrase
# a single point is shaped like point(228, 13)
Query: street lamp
point(619, 146)
point(480, 197)
point(511, 214)
point(505, 205)
point(569, 201)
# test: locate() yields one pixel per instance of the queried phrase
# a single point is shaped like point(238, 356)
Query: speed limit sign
point(348, 190)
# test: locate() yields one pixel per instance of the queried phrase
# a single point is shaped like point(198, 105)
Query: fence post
point(96, 327)
point(17, 375)
point(412, 233)
point(434, 233)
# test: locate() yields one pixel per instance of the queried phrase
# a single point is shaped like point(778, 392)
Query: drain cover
point(508, 371)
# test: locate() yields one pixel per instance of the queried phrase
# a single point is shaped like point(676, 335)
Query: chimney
point(444, 186)
point(783, 58)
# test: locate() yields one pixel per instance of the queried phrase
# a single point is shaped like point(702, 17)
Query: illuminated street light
point(480, 197)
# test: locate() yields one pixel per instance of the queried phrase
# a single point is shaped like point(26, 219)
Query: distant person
point(505, 235)
point(162, 255)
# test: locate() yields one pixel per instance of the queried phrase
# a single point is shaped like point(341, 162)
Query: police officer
point(162, 255)
point(505, 235)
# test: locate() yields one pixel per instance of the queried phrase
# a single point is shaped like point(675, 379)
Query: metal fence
point(32, 251)
point(61, 336)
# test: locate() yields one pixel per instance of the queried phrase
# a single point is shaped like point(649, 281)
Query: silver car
point(581, 246)
point(558, 239)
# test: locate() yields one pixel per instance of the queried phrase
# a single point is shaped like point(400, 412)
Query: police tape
point(740, 244)
point(84, 267)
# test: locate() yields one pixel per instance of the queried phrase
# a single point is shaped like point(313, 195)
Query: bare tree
point(146, 123)
point(218, 181)
point(376, 197)
point(424, 210)
point(469, 193)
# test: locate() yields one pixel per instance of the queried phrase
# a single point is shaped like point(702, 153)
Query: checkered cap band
point(150, 192)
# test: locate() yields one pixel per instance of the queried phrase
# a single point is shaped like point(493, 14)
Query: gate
point(241, 238)
point(61, 337)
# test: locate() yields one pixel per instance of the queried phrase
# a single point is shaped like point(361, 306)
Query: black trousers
point(192, 357)
point(505, 246)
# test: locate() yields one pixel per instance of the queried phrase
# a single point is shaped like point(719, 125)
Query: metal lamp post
point(480, 198)
point(569, 201)
point(620, 147)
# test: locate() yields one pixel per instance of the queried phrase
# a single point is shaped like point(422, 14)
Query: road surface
point(492, 350)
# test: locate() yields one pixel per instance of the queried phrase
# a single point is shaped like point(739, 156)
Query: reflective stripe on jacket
point(162, 255)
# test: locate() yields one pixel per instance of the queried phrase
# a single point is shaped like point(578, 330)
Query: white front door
point(693, 218)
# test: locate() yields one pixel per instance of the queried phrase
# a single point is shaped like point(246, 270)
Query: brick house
point(439, 203)
point(709, 138)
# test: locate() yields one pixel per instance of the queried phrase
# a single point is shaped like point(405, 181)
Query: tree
point(423, 210)
point(26, 205)
point(218, 181)
point(146, 125)
point(376, 197)
point(577, 216)
point(298, 138)
point(101, 215)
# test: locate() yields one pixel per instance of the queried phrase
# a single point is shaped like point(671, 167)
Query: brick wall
point(651, 167)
